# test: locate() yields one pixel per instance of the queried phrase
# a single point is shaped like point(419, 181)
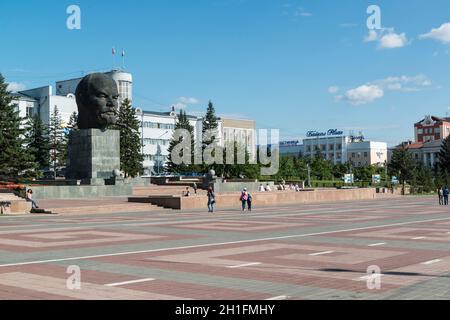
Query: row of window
point(429, 130)
point(366, 154)
point(155, 125)
point(155, 142)
point(323, 147)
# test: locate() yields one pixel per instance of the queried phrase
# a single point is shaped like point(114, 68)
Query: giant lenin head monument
point(94, 149)
point(97, 99)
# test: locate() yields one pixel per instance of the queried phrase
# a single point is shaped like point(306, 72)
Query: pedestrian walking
point(441, 196)
point(249, 201)
point(244, 199)
point(195, 188)
point(446, 194)
point(211, 200)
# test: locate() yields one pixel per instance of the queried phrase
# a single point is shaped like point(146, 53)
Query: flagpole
point(113, 58)
point(123, 59)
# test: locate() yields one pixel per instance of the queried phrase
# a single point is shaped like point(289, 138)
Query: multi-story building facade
point(241, 131)
point(432, 128)
point(335, 146)
point(429, 135)
point(367, 153)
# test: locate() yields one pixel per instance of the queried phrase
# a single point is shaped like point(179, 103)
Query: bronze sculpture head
point(97, 99)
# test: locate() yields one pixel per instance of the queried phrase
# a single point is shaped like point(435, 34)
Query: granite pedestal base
point(93, 156)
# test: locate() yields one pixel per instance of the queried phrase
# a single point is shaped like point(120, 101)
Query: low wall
point(81, 192)
point(265, 199)
point(239, 186)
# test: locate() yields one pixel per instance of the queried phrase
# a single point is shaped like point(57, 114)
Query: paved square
point(315, 251)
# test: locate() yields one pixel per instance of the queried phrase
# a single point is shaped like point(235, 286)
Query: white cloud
point(392, 41)
point(441, 34)
point(374, 90)
point(16, 87)
point(405, 83)
point(333, 89)
point(387, 38)
point(183, 102)
point(188, 100)
point(363, 94)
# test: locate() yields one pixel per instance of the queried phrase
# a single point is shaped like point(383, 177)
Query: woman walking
point(244, 199)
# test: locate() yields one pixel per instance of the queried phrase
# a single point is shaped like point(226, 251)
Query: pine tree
point(73, 121)
point(15, 162)
point(444, 162)
point(58, 142)
point(402, 165)
point(131, 158)
point(182, 123)
point(38, 143)
point(210, 125)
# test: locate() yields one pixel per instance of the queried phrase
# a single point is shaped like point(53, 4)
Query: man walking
point(249, 201)
point(211, 200)
point(446, 194)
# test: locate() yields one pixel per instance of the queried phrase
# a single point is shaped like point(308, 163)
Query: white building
point(338, 148)
point(332, 145)
point(241, 131)
point(366, 153)
point(42, 101)
point(157, 129)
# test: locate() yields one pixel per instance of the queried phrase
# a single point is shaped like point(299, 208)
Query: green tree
point(73, 121)
point(58, 142)
point(38, 143)
point(301, 168)
point(444, 162)
point(246, 169)
point(210, 125)
point(15, 161)
point(182, 123)
point(131, 158)
point(340, 170)
point(287, 170)
point(423, 178)
point(402, 166)
point(321, 169)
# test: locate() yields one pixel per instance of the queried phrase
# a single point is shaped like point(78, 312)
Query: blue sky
point(295, 65)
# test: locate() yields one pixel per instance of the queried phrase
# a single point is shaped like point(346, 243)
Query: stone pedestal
point(93, 155)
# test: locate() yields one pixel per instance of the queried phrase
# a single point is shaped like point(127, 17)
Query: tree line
point(207, 148)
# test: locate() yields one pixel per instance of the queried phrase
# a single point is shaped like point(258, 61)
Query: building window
point(420, 131)
point(365, 154)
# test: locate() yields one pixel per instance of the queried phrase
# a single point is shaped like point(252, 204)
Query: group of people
point(266, 188)
point(443, 196)
point(246, 200)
